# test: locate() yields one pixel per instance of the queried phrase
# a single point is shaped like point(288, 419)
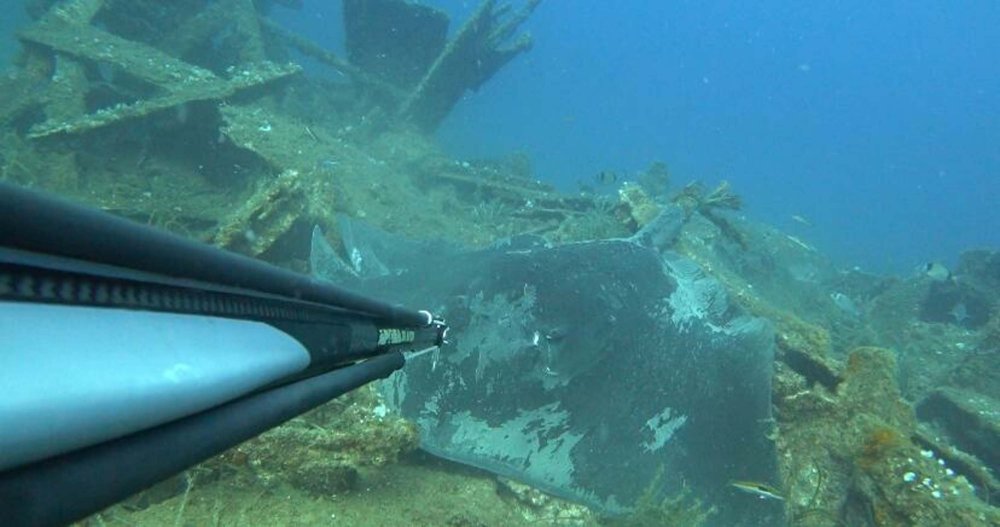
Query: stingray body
point(582, 369)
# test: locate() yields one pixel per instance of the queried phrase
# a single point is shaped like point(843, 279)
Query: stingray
point(584, 369)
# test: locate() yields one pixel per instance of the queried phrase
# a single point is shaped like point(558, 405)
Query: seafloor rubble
point(197, 117)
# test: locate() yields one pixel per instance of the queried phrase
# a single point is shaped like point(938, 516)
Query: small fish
point(801, 219)
point(761, 490)
point(937, 271)
point(800, 243)
point(606, 177)
point(845, 303)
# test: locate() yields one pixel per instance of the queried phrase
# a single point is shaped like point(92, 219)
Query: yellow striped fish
point(761, 490)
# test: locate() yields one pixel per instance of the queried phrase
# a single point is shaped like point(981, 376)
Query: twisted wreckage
point(214, 79)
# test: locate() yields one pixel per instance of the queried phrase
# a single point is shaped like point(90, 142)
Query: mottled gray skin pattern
point(583, 368)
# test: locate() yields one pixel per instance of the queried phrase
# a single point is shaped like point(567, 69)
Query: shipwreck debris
point(405, 44)
point(394, 40)
point(175, 82)
point(476, 53)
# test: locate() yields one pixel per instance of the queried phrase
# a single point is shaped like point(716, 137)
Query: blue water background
point(879, 122)
point(10, 21)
